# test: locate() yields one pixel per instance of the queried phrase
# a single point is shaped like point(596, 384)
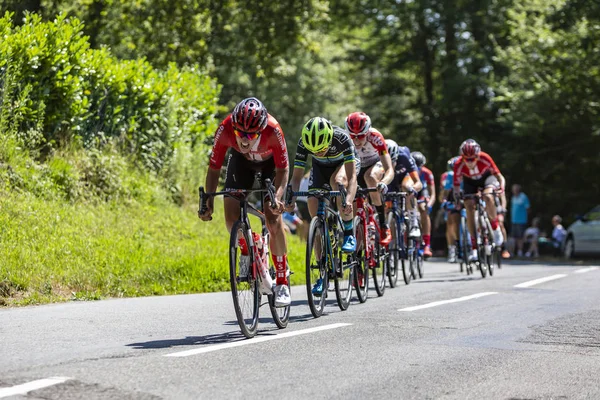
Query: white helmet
point(393, 149)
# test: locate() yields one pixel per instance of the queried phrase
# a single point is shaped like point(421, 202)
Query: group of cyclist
point(356, 155)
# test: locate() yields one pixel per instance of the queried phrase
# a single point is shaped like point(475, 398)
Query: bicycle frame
point(366, 213)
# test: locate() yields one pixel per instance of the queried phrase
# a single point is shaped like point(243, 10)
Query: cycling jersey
point(426, 177)
point(341, 151)
point(373, 149)
point(270, 144)
point(484, 166)
point(404, 166)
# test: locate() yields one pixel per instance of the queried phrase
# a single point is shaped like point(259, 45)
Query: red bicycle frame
point(366, 213)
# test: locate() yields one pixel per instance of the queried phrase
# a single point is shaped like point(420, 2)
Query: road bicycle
point(403, 249)
point(487, 251)
point(370, 254)
point(324, 256)
point(248, 271)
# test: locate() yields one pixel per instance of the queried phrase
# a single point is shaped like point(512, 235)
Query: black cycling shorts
point(423, 195)
point(320, 175)
point(360, 177)
point(241, 172)
point(472, 186)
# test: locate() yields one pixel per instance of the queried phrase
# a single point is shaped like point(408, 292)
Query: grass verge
point(54, 251)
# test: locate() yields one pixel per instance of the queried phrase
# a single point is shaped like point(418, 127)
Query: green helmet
point(317, 134)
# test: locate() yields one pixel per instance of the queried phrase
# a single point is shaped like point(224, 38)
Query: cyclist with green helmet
point(331, 149)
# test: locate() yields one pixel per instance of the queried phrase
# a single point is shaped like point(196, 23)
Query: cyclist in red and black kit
point(257, 145)
point(376, 168)
point(477, 170)
point(425, 199)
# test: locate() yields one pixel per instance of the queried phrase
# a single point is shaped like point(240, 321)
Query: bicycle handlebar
point(319, 193)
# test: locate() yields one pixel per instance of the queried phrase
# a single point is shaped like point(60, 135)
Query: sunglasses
point(359, 136)
point(470, 159)
point(247, 135)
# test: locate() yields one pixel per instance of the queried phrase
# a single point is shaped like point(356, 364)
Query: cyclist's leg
point(411, 207)
point(471, 187)
point(423, 199)
point(339, 177)
point(239, 176)
point(491, 184)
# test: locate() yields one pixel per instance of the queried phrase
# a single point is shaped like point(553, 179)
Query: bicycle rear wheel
point(393, 255)
point(316, 269)
point(344, 272)
point(361, 272)
point(244, 283)
point(378, 269)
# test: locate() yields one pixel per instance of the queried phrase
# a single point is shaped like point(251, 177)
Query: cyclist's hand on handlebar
point(382, 188)
point(278, 210)
point(291, 206)
point(348, 209)
point(207, 215)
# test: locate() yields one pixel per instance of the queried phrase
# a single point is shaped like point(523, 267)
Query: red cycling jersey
point(270, 143)
point(485, 164)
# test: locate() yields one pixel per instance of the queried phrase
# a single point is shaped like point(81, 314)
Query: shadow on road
point(190, 341)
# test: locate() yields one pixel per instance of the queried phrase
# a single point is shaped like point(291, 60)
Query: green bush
point(56, 92)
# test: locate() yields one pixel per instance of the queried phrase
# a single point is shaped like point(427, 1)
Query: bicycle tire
point(465, 245)
point(378, 270)
point(393, 252)
point(407, 271)
point(344, 273)
point(420, 264)
point(315, 267)
point(361, 270)
point(281, 315)
point(245, 293)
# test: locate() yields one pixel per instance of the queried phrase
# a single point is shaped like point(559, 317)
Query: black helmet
point(419, 158)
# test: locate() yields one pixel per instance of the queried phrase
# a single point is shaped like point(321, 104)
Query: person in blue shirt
point(519, 212)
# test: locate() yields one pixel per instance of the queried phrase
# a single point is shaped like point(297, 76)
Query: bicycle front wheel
point(378, 268)
point(316, 268)
point(361, 272)
point(344, 272)
point(244, 282)
point(393, 256)
point(281, 315)
point(407, 265)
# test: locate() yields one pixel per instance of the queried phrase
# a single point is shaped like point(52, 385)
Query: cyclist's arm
point(351, 175)
point(502, 181)
point(212, 179)
point(386, 160)
point(297, 175)
point(417, 184)
point(281, 180)
point(432, 194)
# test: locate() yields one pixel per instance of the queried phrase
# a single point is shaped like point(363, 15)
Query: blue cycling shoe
point(317, 289)
point(349, 245)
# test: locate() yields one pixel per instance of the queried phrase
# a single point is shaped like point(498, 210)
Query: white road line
point(254, 340)
point(541, 280)
point(30, 386)
point(584, 270)
point(439, 303)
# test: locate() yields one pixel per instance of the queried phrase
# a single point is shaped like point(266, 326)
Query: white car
point(583, 236)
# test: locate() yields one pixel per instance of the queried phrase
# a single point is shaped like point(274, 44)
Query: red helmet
point(358, 123)
point(250, 116)
point(470, 148)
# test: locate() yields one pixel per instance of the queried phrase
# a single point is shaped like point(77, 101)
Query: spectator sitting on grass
point(531, 236)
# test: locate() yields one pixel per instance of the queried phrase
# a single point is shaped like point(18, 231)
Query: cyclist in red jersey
point(257, 145)
point(425, 199)
point(477, 170)
point(376, 169)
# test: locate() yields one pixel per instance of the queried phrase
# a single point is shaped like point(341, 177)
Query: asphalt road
point(538, 341)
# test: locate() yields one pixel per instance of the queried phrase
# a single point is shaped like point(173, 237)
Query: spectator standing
point(558, 233)
point(519, 212)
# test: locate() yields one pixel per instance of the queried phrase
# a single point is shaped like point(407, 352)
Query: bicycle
point(402, 247)
point(324, 252)
point(246, 272)
point(367, 241)
point(485, 237)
